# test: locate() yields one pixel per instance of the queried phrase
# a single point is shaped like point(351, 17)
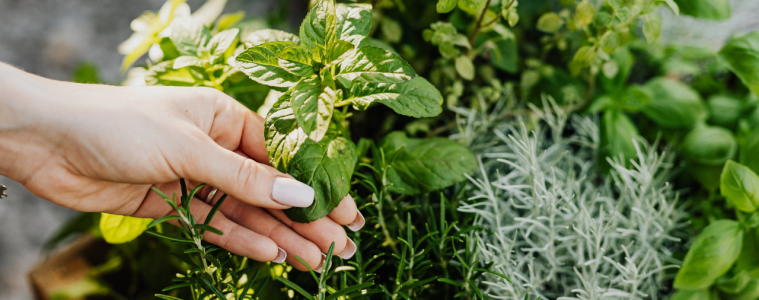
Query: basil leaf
point(748, 260)
point(118, 229)
point(339, 51)
point(283, 135)
point(220, 42)
point(711, 255)
point(702, 294)
point(705, 9)
point(319, 28)
point(354, 21)
point(675, 104)
point(326, 166)
point(740, 185)
point(313, 104)
point(736, 284)
point(261, 63)
point(709, 145)
point(297, 60)
point(188, 35)
point(370, 64)
point(749, 149)
point(724, 110)
point(164, 74)
point(742, 56)
point(617, 134)
point(422, 165)
point(445, 6)
point(415, 98)
point(263, 36)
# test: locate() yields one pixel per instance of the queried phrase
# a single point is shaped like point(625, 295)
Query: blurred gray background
point(52, 37)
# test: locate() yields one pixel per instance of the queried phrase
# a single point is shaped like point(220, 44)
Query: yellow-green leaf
point(584, 13)
point(550, 22)
point(118, 229)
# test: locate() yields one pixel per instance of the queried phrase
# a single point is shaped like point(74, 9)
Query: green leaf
point(740, 185)
point(326, 166)
point(424, 165)
point(370, 64)
point(748, 260)
point(617, 134)
point(550, 22)
point(702, 294)
point(711, 255)
point(465, 67)
point(187, 61)
point(445, 6)
point(609, 42)
point(415, 98)
point(297, 60)
point(472, 7)
point(584, 13)
point(624, 60)
point(339, 51)
point(502, 50)
point(313, 102)
point(705, 9)
point(264, 36)
point(724, 110)
point(391, 30)
point(283, 135)
point(709, 145)
point(354, 21)
point(742, 57)
point(261, 63)
point(674, 104)
point(164, 74)
point(735, 284)
point(220, 42)
point(748, 151)
point(672, 5)
point(652, 27)
point(118, 229)
point(188, 35)
point(319, 28)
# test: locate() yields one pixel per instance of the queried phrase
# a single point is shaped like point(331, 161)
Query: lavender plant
point(556, 225)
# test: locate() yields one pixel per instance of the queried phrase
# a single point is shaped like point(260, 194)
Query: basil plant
point(323, 71)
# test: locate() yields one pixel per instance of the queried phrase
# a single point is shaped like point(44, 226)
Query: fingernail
point(290, 192)
point(318, 268)
point(350, 249)
point(358, 222)
point(281, 256)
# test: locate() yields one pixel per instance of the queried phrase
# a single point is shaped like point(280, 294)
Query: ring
point(209, 198)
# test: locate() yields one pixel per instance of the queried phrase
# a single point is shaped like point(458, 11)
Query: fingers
point(260, 221)
point(346, 213)
point(244, 179)
point(323, 232)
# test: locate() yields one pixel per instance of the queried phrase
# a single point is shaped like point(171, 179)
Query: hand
point(100, 148)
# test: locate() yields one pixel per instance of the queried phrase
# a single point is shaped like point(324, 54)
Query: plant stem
point(479, 23)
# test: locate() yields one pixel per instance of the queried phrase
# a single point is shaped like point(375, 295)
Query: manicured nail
point(318, 268)
point(281, 256)
point(350, 249)
point(290, 192)
point(358, 222)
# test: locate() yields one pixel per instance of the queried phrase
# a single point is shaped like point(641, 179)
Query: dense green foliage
point(455, 64)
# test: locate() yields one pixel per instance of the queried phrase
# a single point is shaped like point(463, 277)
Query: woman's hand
point(100, 148)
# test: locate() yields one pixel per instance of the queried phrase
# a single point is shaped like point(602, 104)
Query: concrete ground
point(51, 37)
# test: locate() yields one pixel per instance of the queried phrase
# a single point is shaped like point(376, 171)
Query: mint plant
point(322, 71)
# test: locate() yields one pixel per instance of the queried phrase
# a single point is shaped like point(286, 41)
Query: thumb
point(245, 179)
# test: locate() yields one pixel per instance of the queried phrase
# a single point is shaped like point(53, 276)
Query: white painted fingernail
point(290, 192)
point(350, 249)
point(357, 223)
point(318, 268)
point(281, 256)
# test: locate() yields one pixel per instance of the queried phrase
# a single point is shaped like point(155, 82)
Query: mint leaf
point(263, 36)
point(370, 64)
point(422, 165)
point(261, 63)
point(326, 166)
point(313, 103)
point(354, 21)
point(164, 73)
point(416, 97)
point(220, 42)
point(297, 60)
point(188, 35)
point(283, 135)
point(319, 28)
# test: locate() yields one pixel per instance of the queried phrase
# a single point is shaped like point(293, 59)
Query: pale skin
point(100, 148)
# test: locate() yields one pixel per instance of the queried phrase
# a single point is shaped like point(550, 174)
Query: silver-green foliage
point(556, 224)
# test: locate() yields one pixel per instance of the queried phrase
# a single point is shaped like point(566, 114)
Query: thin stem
point(479, 23)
